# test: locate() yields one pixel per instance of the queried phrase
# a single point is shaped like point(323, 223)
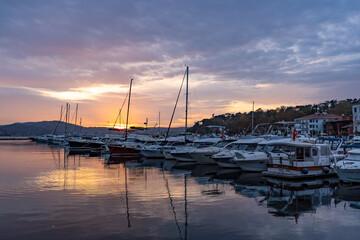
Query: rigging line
point(172, 204)
point(57, 125)
point(127, 94)
point(177, 99)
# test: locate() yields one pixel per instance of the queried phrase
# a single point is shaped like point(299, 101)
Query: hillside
point(48, 127)
point(241, 122)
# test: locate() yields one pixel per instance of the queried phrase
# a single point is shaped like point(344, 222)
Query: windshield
point(333, 144)
point(221, 144)
point(174, 144)
point(242, 146)
point(201, 144)
point(277, 149)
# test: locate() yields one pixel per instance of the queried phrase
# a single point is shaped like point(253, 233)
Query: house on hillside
point(314, 124)
point(340, 127)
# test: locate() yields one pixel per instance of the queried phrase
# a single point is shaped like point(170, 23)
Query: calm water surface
point(47, 194)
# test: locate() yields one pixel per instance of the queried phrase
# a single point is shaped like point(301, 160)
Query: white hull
point(202, 158)
point(168, 156)
point(183, 157)
point(287, 172)
point(152, 153)
point(227, 165)
point(349, 175)
point(252, 165)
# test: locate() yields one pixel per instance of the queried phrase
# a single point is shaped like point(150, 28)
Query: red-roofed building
point(314, 124)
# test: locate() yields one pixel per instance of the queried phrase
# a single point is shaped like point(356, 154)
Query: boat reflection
point(252, 185)
point(121, 159)
point(294, 198)
point(349, 192)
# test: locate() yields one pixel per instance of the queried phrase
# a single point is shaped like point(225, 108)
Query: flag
point(295, 133)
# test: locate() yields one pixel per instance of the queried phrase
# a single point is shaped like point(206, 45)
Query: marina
point(179, 120)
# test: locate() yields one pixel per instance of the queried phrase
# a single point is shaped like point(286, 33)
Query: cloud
point(237, 50)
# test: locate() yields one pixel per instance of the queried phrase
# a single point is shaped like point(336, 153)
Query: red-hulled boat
point(123, 150)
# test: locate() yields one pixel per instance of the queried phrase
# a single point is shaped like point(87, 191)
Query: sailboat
point(132, 144)
point(179, 143)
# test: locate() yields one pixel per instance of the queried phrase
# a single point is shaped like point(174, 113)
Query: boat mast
point(66, 118)
point(252, 119)
point(77, 105)
point(159, 126)
point(187, 99)
point(61, 113)
point(127, 115)
point(68, 122)
point(177, 99)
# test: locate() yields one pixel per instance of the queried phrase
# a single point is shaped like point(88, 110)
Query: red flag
point(295, 133)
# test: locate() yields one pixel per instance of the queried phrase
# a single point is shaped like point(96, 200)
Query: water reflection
point(294, 198)
point(99, 197)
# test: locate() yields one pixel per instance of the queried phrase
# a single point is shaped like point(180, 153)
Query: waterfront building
point(356, 117)
point(314, 124)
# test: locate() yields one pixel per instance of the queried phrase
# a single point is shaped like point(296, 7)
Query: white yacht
point(203, 155)
point(150, 150)
point(306, 160)
point(173, 144)
point(225, 157)
point(348, 169)
point(256, 160)
point(183, 154)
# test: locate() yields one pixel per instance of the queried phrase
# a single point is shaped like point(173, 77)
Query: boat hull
point(349, 175)
point(168, 156)
point(203, 158)
point(252, 165)
point(291, 172)
point(152, 153)
point(183, 157)
point(123, 151)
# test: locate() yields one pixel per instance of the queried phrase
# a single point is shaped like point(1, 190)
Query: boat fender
point(326, 170)
point(304, 170)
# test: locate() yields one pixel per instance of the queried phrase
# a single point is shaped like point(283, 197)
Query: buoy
point(326, 170)
point(304, 170)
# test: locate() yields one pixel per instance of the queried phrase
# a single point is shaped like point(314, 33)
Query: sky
point(85, 52)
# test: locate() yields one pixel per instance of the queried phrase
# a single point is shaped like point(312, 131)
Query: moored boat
point(348, 169)
point(306, 161)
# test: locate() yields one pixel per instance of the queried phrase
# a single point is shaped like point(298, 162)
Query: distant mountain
point(49, 127)
point(46, 127)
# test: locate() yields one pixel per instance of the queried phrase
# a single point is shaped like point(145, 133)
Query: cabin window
point(299, 153)
point(314, 152)
point(307, 152)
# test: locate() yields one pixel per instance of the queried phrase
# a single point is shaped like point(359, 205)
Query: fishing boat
point(306, 161)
